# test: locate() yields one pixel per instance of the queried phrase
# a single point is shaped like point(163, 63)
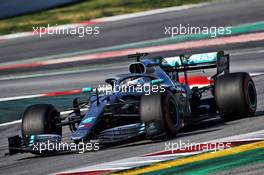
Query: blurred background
point(21, 15)
point(21, 7)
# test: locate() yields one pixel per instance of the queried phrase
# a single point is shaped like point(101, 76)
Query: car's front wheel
point(41, 119)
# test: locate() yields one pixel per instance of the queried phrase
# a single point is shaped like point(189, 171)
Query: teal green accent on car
point(31, 141)
point(87, 90)
point(195, 59)
point(142, 129)
point(202, 58)
point(157, 81)
point(32, 137)
point(140, 132)
point(88, 120)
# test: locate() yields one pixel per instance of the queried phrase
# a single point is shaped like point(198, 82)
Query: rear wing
point(200, 61)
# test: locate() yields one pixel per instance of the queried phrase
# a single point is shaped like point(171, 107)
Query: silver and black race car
point(155, 100)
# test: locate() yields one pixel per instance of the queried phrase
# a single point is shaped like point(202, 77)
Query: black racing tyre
point(235, 95)
point(160, 112)
point(41, 119)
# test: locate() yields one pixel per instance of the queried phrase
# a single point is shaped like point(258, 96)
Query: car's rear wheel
point(41, 119)
point(235, 95)
point(160, 112)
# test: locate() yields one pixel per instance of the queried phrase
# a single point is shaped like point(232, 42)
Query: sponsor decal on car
point(192, 60)
point(88, 120)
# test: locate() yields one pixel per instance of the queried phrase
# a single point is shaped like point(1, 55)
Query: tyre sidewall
point(170, 128)
point(40, 119)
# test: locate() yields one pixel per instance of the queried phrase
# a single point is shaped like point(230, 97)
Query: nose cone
point(79, 134)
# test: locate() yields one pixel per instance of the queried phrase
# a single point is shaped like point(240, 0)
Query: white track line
point(20, 97)
point(10, 123)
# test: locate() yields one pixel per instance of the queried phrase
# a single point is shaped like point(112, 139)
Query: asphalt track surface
point(244, 57)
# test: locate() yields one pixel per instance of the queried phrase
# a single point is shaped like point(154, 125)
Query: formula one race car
point(155, 100)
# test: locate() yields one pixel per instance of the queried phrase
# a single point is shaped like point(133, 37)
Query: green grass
point(85, 10)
